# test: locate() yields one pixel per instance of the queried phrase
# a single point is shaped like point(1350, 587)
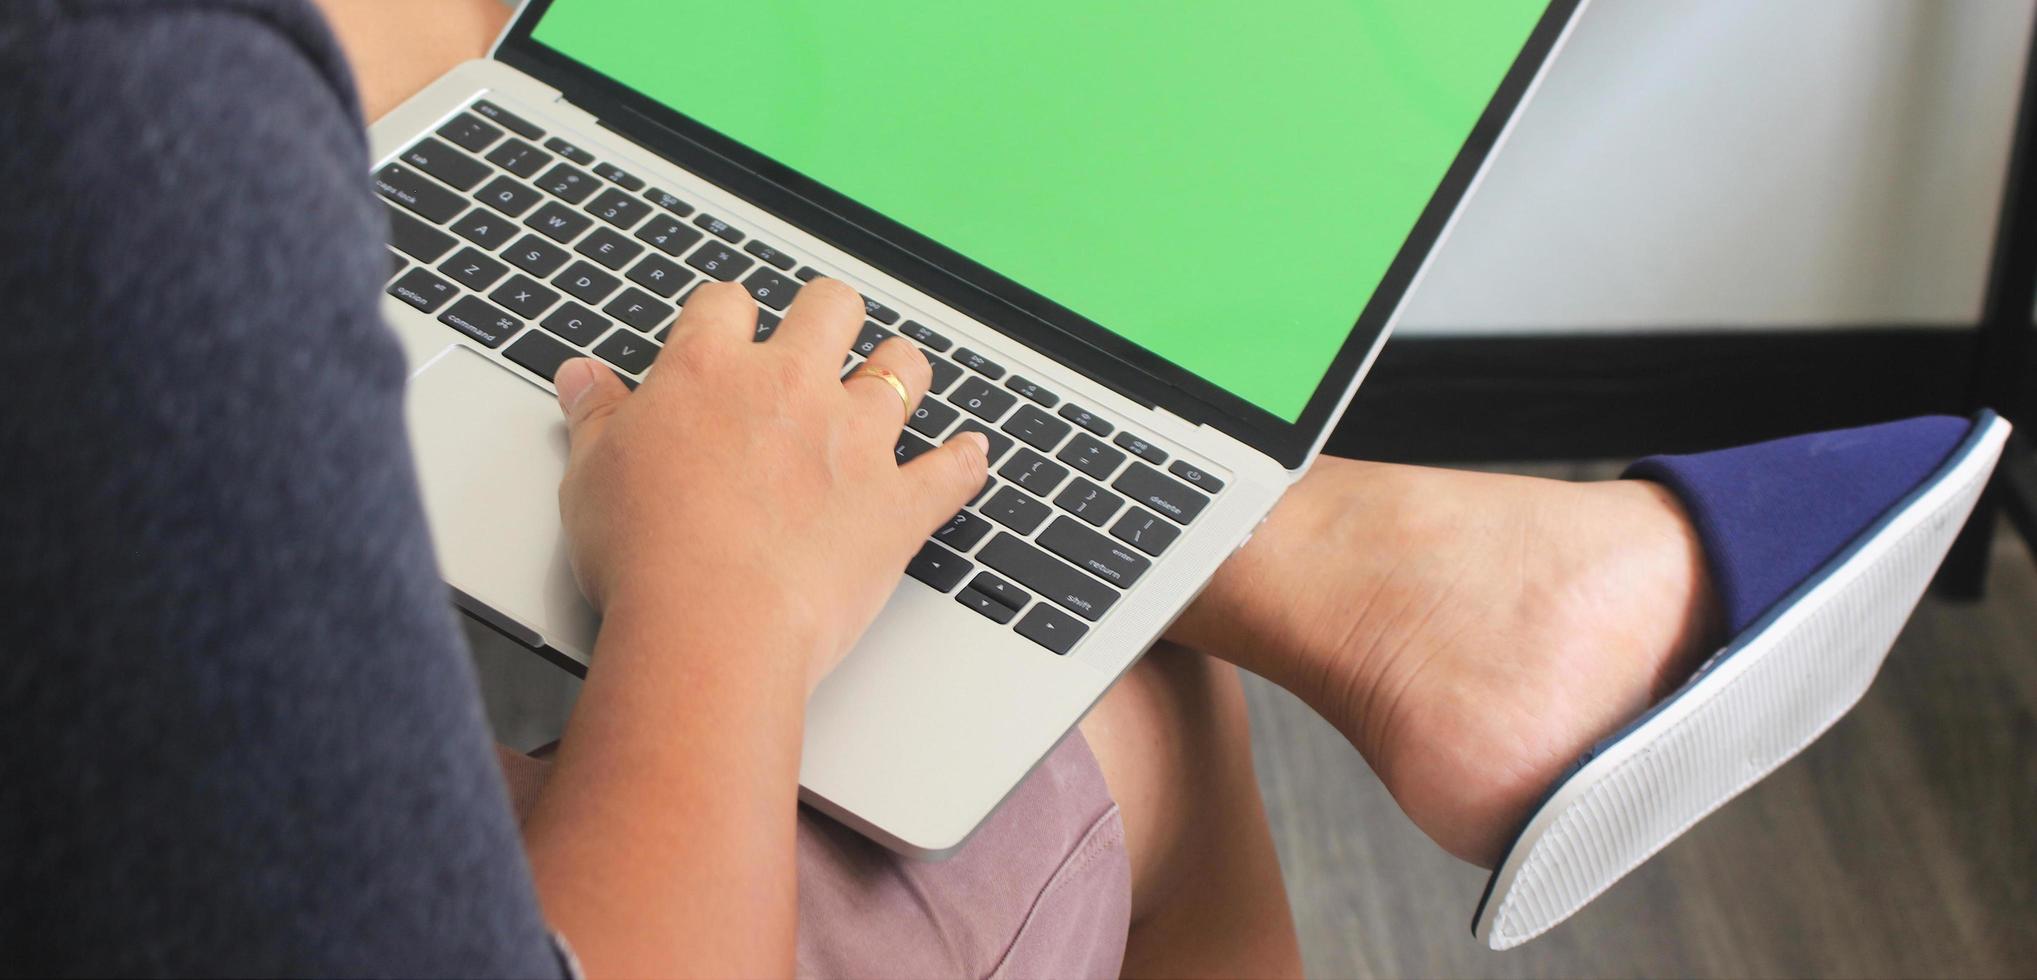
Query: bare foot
point(1471, 634)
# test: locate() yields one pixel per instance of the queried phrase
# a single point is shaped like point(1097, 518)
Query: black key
point(770, 288)
point(990, 607)
point(771, 256)
point(1033, 391)
point(473, 269)
point(869, 338)
point(1048, 576)
point(618, 209)
point(1141, 448)
point(1086, 419)
point(910, 447)
point(514, 123)
point(1091, 456)
point(609, 247)
point(999, 443)
point(558, 222)
point(419, 193)
point(718, 228)
point(536, 256)
point(447, 164)
point(931, 418)
point(1142, 530)
point(1195, 477)
point(962, 531)
point(767, 322)
point(1162, 493)
point(1036, 473)
point(660, 275)
point(417, 239)
point(925, 335)
point(567, 183)
point(669, 235)
point(485, 228)
point(569, 151)
point(639, 309)
point(879, 312)
point(627, 351)
point(1089, 502)
point(539, 354)
point(480, 320)
point(576, 323)
point(720, 261)
point(807, 274)
point(509, 196)
point(938, 567)
point(1093, 553)
point(421, 289)
point(1051, 628)
point(982, 400)
point(1007, 594)
point(524, 297)
point(668, 202)
point(944, 375)
point(467, 131)
point(1036, 428)
point(979, 364)
point(396, 264)
point(1015, 510)
point(587, 283)
point(619, 177)
point(520, 158)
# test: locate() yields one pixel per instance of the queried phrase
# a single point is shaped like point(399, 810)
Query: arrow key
point(631, 353)
point(938, 567)
point(1051, 628)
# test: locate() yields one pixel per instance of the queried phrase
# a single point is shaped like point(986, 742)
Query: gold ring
point(884, 374)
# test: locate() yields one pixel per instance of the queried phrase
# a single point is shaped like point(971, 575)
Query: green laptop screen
point(1223, 184)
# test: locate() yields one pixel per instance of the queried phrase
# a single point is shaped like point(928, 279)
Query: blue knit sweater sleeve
point(242, 734)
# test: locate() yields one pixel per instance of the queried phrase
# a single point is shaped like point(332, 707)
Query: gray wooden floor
point(1903, 843)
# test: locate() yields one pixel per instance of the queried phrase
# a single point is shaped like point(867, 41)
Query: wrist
point(725, 617)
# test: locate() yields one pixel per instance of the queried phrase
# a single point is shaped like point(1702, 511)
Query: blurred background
point(1720, 221)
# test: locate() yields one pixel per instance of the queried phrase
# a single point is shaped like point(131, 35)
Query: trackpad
point(490, 450)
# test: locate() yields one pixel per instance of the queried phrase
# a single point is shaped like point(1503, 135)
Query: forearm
point(663, 840)
point(397, 47)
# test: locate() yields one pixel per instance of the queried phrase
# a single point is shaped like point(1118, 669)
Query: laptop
point(1149, 250)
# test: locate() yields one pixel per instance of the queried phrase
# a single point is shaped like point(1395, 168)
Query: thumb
point(588, 394)
point(947, 477)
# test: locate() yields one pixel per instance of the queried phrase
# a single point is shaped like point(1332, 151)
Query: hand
point(747, 485)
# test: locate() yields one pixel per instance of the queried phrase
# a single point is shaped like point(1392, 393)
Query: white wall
point(1745, 163)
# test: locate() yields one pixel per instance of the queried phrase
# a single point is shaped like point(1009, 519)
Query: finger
point(823, 320)
point(876, 400)
point(588, 393)
point(947, 477)
point(721, 311)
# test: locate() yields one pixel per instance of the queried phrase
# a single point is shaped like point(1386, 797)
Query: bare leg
point(1471, 634)
point(397, 47)
point(1207, 896)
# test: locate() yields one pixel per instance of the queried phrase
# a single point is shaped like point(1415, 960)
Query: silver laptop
point(1150, 253)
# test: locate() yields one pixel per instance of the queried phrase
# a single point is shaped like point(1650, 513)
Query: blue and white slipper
point(1819, 548)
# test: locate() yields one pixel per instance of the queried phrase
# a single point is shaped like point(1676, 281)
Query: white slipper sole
point(1772, 691)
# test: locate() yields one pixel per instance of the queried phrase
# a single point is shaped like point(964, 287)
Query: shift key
point(1048, 576)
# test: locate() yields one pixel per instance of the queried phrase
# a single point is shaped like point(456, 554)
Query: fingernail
point(574, 381)
point(982, 442)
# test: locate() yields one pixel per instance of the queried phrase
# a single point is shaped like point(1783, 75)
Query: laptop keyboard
point(530, 245)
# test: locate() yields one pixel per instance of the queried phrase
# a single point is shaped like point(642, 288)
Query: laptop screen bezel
point(1025, 315)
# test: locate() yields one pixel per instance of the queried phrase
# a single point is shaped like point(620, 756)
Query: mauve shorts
point(1043, 889)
